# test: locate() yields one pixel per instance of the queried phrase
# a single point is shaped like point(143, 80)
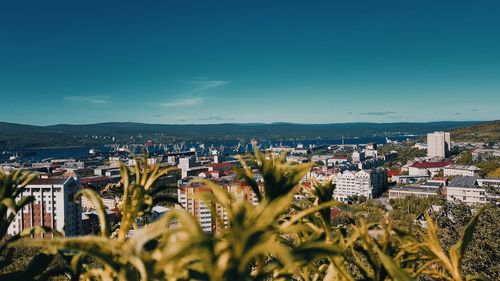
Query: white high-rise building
point(438, 144)
point(53, 206)
point(369, 183)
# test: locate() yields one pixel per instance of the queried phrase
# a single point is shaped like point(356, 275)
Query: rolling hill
point(482, 132)
point(18, 135)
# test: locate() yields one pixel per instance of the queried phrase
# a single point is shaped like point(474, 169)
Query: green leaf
point(393, 269)
point(100, 209)
point(457, 251)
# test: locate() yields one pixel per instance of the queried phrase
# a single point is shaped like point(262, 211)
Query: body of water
point(226, 147)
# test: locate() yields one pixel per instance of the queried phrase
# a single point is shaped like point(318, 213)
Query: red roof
point(427, 165)
point(49, 181)
point(392, 173)
point(439, 179)
point(223, 164)
point(93, 179)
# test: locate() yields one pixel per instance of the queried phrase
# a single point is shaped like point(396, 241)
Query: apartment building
point(427, 168)
point(201, 212)
point(418, 191)
point(438, 144)
point(467, 190)
point(53, 206)
point(369, 183)
point(461, 170)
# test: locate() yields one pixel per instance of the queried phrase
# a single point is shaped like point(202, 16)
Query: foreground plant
point(120, 257)
point(12, 186)
point(275, 239)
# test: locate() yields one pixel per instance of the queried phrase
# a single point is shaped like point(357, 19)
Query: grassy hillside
point(483, 132)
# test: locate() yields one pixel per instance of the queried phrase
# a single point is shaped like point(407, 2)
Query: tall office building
point(438, 144)
point(53, 206)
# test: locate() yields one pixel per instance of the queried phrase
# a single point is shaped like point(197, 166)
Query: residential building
point(438, 144)
point(201, 212)
point(420, 219)
point(421, 146)
point(406, 179)
point(198, 209)
point(53, 206)
point(489, 182)
point(358, 156)
point(418, 191)
point(336, 160)
point(461, 170)
point(90, 221)
point(427, 168)
point(485, 153)
point(466, 189)
point(223, 168)
point(371, 150)
point(369, 183)
point(189, 167)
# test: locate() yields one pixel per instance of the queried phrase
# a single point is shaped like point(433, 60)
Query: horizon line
point(244, 123)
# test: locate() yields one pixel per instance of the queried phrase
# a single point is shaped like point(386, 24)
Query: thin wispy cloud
point(201, 84)
point(378, 113)
point(191, 101)
point(195, 94)
point(212, 118)
point(89, 99)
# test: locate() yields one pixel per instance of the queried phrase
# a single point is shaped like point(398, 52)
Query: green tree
point(483, 253)
point(465, 158)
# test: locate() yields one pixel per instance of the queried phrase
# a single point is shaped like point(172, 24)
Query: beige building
point(427, 168)
point(201, 212)
point(53, 206)
point(461, 170)
point(467, 190)
point(438, 144)
point(369, 183)
point(403, 191)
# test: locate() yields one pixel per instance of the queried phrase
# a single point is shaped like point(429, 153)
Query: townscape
point(368, 182)
point(249, 140)
point(359, 172)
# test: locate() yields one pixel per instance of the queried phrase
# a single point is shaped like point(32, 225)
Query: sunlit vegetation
point(406, 152)
point(490, 167)
point(483, 132)
point(405, 210)
point(276, 239)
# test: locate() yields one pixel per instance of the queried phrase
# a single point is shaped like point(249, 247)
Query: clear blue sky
point(249, 61)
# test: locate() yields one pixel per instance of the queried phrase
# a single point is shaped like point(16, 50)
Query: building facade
point(368, 183)
point(201, 212)
point(403, 191)
point(461, 170)
point(438, 144)
point(53, 206)
point(467, 190)
point(427, 168)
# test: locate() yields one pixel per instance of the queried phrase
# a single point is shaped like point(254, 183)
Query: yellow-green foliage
point(273, 240)
point(483, 132)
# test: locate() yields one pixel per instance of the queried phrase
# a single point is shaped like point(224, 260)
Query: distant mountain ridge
point(14, 135)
